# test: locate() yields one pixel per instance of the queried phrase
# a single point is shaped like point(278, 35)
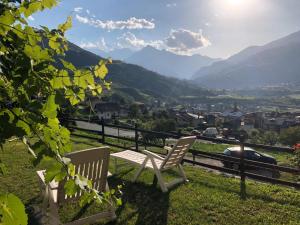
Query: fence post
point(136, 137)
point(243, 137)
point(179, 133)
point(103, 131)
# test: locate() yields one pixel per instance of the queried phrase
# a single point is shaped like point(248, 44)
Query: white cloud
point(131, 23)
point(100, 45)
point(129, 40)
point(31, 18)
point(181, 41)
point(185, 42)
point(88, 12)
point(78, 9)
point(82, 19)
point(170, 5)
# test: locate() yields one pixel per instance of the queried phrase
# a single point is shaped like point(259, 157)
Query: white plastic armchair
point(91, 163)
point(159, 164)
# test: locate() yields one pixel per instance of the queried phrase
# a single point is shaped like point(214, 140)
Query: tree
point(133, 111)
point(35, 82)
point(290, 136)
point(270, 138)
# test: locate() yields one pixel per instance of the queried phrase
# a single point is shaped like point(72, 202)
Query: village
point(201, 119)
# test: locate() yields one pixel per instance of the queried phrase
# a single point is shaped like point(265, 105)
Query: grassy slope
point(206, 199)
point(128, 75)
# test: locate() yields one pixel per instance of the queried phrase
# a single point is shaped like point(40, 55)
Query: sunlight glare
point(235, 2)
point(236, 8)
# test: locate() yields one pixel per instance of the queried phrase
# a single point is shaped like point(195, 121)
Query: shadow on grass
point(145, 202)
point(33, 210)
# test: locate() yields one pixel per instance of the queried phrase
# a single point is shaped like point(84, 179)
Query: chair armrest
point(168, 148)
point(151, 154)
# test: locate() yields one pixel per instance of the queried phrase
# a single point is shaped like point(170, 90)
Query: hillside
point(276, 63)
point(126, 76)
point(168, 63)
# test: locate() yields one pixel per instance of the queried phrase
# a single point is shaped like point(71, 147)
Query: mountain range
point(134, 80)
point(168, 63)
point(116, 54)
point(273, 64)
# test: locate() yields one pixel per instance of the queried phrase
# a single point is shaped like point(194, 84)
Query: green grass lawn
point(207, 199)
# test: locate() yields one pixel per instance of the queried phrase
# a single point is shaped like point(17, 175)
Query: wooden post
point(242, 172)
point(103, 131)
point(179, 133)
point(136, 137)
point(118, 134)
point(243, 137)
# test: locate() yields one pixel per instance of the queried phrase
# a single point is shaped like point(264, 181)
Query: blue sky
point(217, 28)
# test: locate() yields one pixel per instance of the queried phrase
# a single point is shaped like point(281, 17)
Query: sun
point(236, 8)
point(235, 3)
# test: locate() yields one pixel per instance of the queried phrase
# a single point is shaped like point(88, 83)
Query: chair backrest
point(177, 153)
point(90, 163)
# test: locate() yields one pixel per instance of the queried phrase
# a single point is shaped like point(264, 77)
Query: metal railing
point(240, 162)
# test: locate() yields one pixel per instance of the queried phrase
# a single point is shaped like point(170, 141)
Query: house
point(232, 119)
point(189, 119)
point(249, 121)
point(107, 110)
point(277, 121)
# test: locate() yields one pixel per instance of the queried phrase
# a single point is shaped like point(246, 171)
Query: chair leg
point(138, 173)
point(45, 199)
point(54, 216)
point(160, 180)
point(159, 176)
point(182, 173)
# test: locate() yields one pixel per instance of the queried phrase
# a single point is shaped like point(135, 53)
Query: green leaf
point(49, 3)
point(12, 210)
point(36, 53)
point(70, 187)
point(50, 107)
point(119, 201)
point(54, 169)
point(67, 25)
point(68, 65)
point(54, 173)
point(71, 169)
point(72, 97)
point(32, 8)
point(86, 198)
point(53, 124)
point(24, 126)
point(7, 18)
point(54, 44)
point(101, 70)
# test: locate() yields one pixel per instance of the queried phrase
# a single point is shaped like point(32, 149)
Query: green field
point(207, 199)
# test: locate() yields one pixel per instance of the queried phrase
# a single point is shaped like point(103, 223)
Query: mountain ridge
point(275, 63)
point(124, 75)
point(168, 63)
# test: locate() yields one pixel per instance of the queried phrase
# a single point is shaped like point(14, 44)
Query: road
point(108, 130)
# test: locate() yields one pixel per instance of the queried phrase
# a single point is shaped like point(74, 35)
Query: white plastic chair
point(90, 163)
point(157, 163)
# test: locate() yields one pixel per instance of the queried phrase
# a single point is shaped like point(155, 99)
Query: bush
point(290, 136)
